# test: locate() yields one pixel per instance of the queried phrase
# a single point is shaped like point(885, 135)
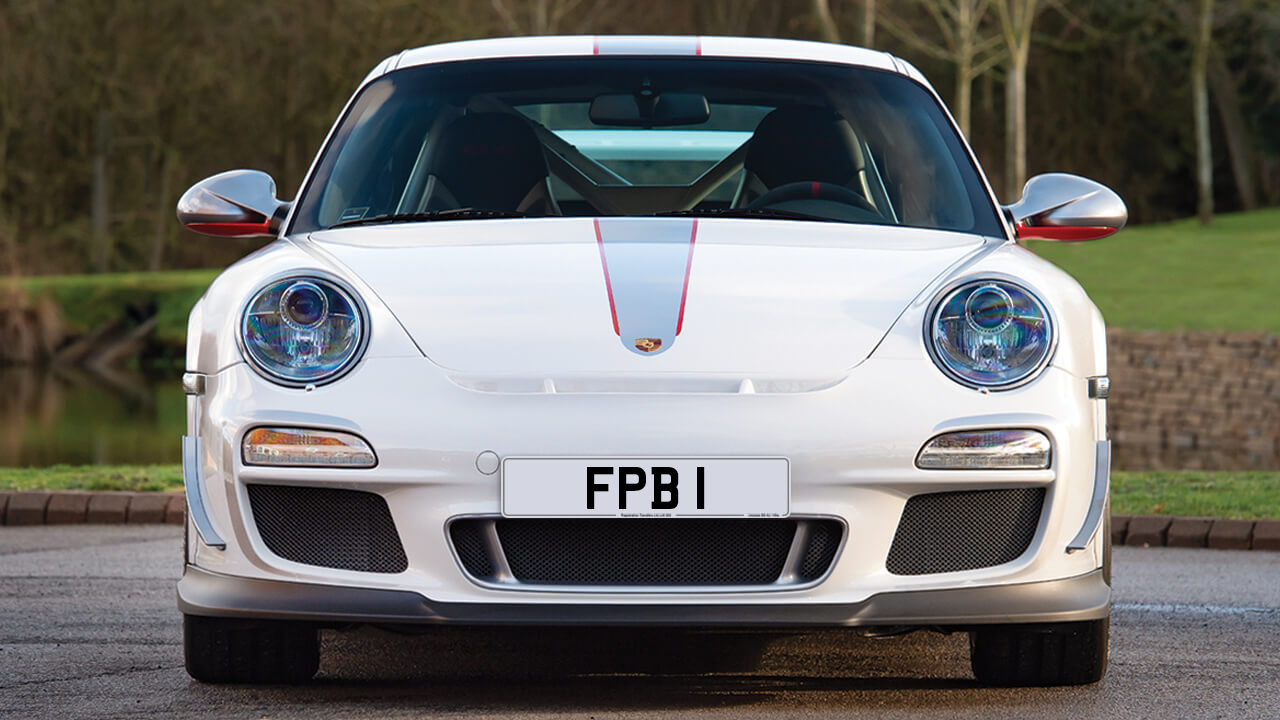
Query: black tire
point(225, 650)
point(1040, 655)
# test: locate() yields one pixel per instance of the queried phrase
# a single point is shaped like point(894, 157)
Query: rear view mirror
point(1058, 206)
point(641, 110)
point(236, 203)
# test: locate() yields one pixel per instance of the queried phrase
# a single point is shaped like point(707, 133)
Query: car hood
point(559, 300)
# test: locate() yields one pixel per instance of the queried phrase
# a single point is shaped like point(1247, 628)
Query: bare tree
point(1201, 45)
point(1016, 19)
point(730, 17)
point(868, 23)
point(959, 25)
point(548, 17)
point(827, 27)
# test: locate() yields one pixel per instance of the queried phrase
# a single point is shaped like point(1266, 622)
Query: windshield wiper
point(454, 214)
point(766, 213)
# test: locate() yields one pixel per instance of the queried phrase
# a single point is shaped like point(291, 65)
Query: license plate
point(646, 487)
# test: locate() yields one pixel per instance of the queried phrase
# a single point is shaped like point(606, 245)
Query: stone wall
point(1199, 400)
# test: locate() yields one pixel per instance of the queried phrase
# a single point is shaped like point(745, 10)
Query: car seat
point(801, 143)
point(487, 161)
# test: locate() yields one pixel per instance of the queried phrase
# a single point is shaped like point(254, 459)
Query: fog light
point(299, 446)
point(981, 449)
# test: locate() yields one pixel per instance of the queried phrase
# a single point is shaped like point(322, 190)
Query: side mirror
point(236, 203)
point(1058, 206)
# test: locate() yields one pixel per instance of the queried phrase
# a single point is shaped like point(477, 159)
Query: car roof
point(654, 45)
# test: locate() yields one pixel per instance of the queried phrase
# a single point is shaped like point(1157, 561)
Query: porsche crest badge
point(648, 345)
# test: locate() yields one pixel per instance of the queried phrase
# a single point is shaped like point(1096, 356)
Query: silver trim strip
point(1101, 484)
point(790, 574)
point(193, 479)
point(493, 545)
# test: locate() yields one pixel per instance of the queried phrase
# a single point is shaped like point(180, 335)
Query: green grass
point(153, 478)
point(1240, 495)
point(88, 301)
point(1182, 276)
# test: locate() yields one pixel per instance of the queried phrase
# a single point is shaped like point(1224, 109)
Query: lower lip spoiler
point(1084, 597)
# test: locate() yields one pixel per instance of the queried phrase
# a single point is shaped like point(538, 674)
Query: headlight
point(990, 333)
point(302, 330)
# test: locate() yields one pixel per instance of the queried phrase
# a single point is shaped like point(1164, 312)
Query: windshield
point(646, 136)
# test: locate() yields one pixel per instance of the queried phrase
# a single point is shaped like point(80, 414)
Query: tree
point(959, 24)
point(1202, 39)
point(827, 28)
point(1016, 19)
point(548, 17)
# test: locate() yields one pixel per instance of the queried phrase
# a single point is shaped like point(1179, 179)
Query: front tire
point(226, 650)
point(1040, 655)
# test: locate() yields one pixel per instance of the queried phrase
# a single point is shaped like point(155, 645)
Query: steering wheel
point(806, 190)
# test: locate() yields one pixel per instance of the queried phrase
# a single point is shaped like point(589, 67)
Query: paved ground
point(88, 629)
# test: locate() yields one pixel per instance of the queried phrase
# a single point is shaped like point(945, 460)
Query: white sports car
point(647, 331)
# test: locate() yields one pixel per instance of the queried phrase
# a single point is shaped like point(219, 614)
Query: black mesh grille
point(344, 529)
point(468, 542)
point(952, 531)
point(622, 552)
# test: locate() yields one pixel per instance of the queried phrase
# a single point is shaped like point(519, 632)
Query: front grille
point(953, 531)
point(638, 552)
point(343, 529)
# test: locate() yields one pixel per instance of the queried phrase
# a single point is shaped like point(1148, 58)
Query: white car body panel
point(496, 336)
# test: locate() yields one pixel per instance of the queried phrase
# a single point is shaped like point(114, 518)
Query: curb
point(92, 508)
point(1194, 532)
point(151, 508)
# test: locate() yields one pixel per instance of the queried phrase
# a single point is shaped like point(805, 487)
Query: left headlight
point(990, 333)
point(303, 330)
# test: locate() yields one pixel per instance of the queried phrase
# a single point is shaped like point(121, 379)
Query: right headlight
point(990, 333)
point(303, 330)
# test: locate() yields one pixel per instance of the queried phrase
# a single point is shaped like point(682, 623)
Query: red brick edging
point(139, 508)
point(101, 508)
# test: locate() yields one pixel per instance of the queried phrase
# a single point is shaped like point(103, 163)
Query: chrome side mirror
point(1058, 206)
point(236, 203)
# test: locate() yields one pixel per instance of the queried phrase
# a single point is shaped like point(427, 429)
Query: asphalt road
point(88, 628)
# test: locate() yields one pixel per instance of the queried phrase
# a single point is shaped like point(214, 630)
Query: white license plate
point(646, 487)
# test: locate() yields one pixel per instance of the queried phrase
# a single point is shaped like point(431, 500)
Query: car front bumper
point(1084, 597)
point(851, 449)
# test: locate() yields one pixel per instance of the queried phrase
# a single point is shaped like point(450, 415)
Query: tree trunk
point(99, 202)
point(1200, 104)
point(163, 218)
point(868, 23)
point(964, 96)
point(826, 23)
point(1015, 136)
point(1227, 99)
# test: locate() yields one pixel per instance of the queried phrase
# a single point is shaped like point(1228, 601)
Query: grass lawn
point(1241, 495)
point(1181, 276)
point(93, 477)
